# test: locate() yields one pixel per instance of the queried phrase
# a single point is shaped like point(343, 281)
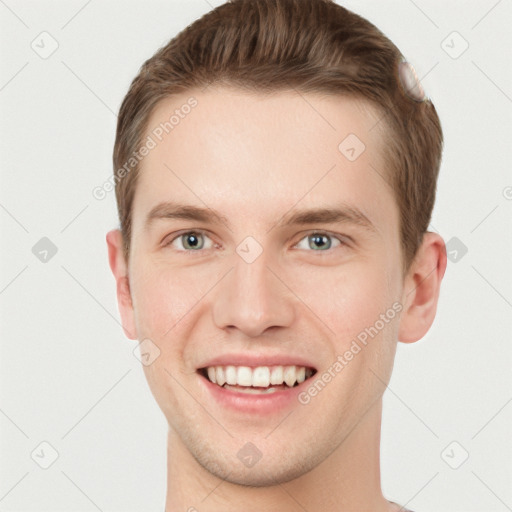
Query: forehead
point(237, 152)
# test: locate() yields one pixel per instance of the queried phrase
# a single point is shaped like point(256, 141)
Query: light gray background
point(68, 375)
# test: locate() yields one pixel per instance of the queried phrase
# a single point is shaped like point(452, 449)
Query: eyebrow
point(329, 215)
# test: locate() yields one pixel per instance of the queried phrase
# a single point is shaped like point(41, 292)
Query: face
point(263, 252)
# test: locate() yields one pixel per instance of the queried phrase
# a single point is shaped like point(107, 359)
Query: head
point(255, 113)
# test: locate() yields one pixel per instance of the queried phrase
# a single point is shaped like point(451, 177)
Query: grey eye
point(319, 242)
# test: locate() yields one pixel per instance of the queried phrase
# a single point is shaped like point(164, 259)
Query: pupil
point(192, 240)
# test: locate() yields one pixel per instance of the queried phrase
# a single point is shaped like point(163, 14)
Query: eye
point(190, 241)
point(195, 241)
point(319, 242)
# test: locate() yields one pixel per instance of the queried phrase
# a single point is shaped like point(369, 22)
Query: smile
point(257, 380)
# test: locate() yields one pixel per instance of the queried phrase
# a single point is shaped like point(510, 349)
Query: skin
point(256, 158)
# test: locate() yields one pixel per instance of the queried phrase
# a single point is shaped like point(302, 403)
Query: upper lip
point(255, 360)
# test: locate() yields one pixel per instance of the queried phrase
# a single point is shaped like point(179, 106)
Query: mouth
point(257, 380)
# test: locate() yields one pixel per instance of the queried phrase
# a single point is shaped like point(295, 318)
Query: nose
point(253, 298)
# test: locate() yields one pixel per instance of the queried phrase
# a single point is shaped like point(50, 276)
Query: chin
point(263, 473)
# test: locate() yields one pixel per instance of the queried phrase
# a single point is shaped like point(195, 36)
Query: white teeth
point(251, 391)
point(220, 375)
point(276, 376)
point(211, 374)
point(301, 374)
point(289, 375)
point(231, 375)
point(244, 375)
point(259, 377)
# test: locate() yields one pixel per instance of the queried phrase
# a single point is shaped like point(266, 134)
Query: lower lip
point(262, 403)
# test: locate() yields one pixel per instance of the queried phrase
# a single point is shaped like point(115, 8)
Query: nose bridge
point(252, 281)
point(252, 298)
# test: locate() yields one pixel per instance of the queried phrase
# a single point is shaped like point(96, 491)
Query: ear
point(120, 270)
point(421, 288)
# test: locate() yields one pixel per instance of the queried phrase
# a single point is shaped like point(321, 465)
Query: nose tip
point(252, 299)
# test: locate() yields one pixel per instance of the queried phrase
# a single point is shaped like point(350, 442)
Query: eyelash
point(342, 240)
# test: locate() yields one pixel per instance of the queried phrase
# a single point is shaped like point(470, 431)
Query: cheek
point(347, 300)
point(164, 301)
point(162, 298)
point(363, 311)
point(367, 326)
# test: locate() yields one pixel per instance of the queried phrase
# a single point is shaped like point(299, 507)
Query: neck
point(348, 480)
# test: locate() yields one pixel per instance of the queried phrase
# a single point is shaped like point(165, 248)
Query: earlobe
point(119, 268)
point(421, 288)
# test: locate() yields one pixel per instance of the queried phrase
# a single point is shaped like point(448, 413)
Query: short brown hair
point(306, 45)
